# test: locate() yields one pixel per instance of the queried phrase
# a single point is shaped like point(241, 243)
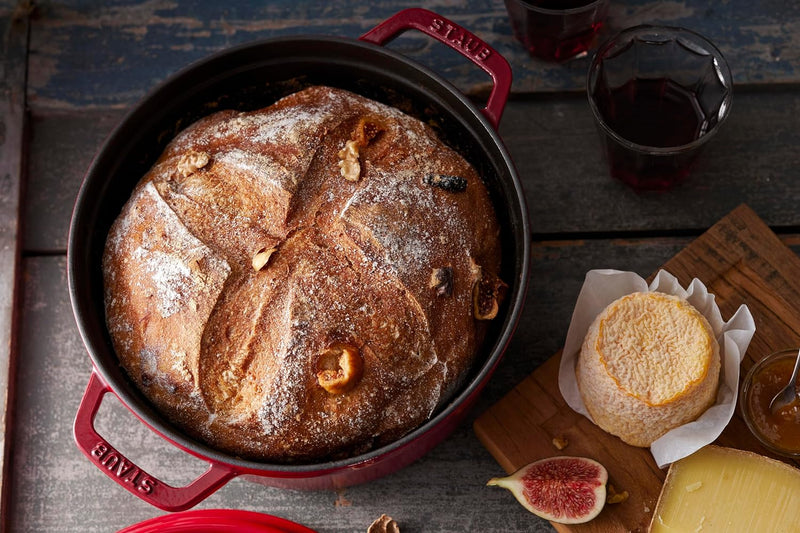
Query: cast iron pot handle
point(126, 473)
point(460, 40)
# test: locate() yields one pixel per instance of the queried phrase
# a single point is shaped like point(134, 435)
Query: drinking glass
point(557, 30)
point(658, 95)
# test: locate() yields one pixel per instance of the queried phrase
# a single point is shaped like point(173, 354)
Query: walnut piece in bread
point(281, 313)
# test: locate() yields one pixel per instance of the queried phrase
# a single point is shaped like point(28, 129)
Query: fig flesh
point(565, 490)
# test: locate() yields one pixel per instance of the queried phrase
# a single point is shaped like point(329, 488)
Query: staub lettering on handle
point(461, 38)
point(120, 467)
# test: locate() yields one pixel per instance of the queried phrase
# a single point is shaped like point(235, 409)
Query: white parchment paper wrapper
point(600, 288)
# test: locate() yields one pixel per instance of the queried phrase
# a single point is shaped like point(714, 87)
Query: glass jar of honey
point(779, 432)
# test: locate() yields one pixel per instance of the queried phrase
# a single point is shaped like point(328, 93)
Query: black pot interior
point(251, 77)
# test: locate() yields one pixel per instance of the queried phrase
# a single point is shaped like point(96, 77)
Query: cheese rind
point(724, 489)
point(648, 364)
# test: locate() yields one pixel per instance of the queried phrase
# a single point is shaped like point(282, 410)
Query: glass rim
point(569, 11)
point(659, 150)
point(786, 353)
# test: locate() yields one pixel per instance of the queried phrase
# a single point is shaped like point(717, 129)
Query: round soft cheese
point(648, 364)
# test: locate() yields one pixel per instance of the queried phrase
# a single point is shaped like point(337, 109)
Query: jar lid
point(217, 521)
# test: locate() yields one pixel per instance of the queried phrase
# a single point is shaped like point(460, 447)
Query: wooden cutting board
point(741, 261)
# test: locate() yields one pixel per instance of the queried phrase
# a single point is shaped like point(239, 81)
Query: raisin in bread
point(303, 282)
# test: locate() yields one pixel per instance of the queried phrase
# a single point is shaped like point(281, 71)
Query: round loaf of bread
point(649, 363)
point(303, 282)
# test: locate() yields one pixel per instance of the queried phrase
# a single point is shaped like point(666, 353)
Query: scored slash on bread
point(246, 257)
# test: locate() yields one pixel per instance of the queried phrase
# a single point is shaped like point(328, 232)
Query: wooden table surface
point(71, 69)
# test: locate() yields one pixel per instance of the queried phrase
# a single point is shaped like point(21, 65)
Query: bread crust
point(649, 363)
point(245, 260)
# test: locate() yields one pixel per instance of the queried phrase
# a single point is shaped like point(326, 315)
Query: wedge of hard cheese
point(723, 489)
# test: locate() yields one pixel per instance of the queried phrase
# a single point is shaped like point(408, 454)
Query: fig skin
point(562, 489)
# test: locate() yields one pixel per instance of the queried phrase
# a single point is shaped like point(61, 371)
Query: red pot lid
point(217, 521)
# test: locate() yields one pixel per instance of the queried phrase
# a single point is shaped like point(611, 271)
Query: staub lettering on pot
point(461, 38)
point(120, 467)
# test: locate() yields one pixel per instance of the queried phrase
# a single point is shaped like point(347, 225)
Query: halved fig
point(565, 490)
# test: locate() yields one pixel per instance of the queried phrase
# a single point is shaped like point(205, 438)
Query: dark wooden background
point(71, 69)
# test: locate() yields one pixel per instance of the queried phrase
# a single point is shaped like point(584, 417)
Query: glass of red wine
point(557, 30)
point(658, 95)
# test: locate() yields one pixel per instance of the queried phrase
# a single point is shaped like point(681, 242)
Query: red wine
point(560, 48)
point(652, 113)
point(556, 36)
point(558, 4)
point(656, 112)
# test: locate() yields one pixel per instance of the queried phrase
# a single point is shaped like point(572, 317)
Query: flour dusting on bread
point(280, 312)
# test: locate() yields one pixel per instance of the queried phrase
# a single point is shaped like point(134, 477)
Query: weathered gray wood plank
point(62, 146)
point(13, 62)
point(86, 54)
point(57, 490)
point(442, 492)
point(555, 147)
point(753, 160)
point(90, 61)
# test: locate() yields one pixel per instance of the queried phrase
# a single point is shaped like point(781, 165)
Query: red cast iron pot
point(250, 77)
